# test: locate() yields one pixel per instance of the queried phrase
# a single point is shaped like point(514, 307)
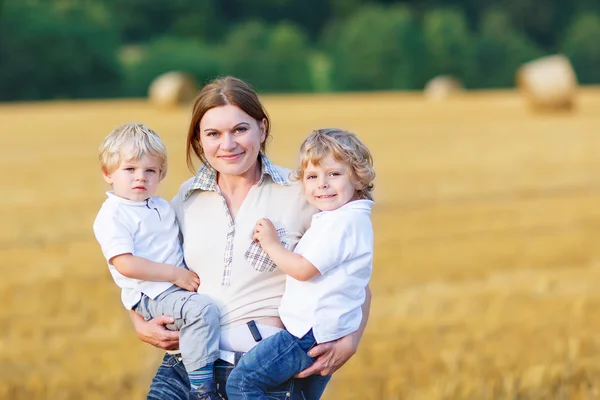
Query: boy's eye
point(150, 170)
point(311, 176)
point(130, 169)
point(334, 174)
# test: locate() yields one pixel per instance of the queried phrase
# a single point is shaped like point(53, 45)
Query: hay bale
point(548, 83)
point(442, 87)
point(172, 89)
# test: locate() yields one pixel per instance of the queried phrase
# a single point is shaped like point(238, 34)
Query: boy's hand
point(265, 233)
point(186, 279)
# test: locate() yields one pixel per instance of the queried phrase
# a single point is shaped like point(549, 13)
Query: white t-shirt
point(146, 229)
point(339, 244)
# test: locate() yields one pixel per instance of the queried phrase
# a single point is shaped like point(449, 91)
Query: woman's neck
point(233, 184)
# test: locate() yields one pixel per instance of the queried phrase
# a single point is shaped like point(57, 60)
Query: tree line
point(114, 48)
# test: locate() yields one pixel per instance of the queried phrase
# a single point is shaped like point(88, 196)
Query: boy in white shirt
point(139, 237)
point(328, 271)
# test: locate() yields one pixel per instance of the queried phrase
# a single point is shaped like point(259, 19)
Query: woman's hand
point(154, 332)
point(331, 355)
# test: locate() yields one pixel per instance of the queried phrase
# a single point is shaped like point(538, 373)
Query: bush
point(57, 53)
point(272, 59)
point(581, 47)
point(377, 48)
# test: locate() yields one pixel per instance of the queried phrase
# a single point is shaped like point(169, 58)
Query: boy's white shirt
point(339, 244)
point(146, 229)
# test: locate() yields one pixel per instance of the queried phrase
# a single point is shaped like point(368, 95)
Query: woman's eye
point(241, 129)
point(211, 134)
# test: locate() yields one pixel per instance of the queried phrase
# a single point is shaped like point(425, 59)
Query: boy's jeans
point(270, 363)
point(171, 383)
point(196, 318)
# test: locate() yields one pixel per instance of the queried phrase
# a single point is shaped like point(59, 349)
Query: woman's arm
point(154, 332)
point(332, 355)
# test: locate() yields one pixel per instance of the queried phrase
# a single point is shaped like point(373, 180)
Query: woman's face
point(231, 139)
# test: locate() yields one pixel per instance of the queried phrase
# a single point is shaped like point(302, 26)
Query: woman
point(217, 211)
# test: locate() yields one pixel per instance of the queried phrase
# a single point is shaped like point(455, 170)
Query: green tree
point(450, 44)
point(141, 21)
point(49, 52)
point(542, 21)
point(271, 58)
point(581, 46)
point(309, 15)
point(500, 50)
point(377, 48)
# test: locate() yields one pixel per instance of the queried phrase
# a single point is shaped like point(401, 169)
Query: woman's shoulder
point(183, 189)
point(279, 175)
point(185, 186)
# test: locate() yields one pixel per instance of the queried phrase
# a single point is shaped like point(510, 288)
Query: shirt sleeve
point(329, 245)
point(113, 233)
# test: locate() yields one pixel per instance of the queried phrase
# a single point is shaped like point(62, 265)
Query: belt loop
point(237, 357)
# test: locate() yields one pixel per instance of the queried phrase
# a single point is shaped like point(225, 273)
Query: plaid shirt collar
point(206, 178)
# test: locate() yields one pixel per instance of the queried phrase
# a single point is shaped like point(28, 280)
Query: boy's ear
point(107, 177)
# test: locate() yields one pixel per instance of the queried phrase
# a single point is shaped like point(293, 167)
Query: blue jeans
point(171, 382)
point(270, 363)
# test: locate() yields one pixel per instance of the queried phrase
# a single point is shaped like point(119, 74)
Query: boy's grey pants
point(196, 318)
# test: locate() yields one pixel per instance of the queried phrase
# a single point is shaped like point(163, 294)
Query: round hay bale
point(442, 87)
point(548, 83)
point(172, 89)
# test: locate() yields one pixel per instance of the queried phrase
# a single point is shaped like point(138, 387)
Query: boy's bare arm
point(140, 268)
point(289, 262)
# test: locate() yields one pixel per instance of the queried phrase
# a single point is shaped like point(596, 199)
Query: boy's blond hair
point(345, 147)
point(136, 138)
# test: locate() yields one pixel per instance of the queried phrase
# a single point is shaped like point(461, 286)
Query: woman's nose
point(228, 142)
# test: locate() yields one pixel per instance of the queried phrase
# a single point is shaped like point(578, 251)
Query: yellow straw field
point(487, 270)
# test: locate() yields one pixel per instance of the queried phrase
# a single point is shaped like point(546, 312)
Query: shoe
point(206, 391)
point(214, 395)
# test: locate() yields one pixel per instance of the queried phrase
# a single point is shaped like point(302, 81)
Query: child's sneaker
point(206, 391)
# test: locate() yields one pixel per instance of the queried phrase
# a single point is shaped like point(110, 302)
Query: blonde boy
point(139, 237)
point(328, 271)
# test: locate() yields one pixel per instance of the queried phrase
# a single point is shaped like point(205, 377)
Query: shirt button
point(179, 359)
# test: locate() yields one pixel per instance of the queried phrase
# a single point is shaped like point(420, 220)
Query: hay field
point(487, 221)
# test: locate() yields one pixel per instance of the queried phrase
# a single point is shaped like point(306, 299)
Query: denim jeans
point(270, 363)
point(171, 382)
point(196, 319)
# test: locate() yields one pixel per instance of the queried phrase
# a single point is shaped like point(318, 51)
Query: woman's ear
point(262, 125)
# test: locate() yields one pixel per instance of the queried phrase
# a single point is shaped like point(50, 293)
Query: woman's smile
point(232, 157)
